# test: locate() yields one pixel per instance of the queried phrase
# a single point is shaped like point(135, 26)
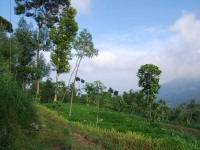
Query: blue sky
point(132, 33)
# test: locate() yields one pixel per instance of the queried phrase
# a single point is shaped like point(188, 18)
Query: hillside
point(179, 91)
point(116, 131)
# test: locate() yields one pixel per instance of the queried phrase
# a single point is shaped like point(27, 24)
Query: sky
point(131, 33)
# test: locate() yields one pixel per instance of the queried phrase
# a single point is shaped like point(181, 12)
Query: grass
point(120, 131)
point(52, 136)
point(59, 131)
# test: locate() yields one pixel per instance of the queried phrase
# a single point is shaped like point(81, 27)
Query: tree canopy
point(6, 24)
point(149, 76)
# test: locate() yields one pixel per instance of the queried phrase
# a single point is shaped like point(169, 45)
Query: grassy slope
point(53, 134)
point(119, 131)
point(58, 132)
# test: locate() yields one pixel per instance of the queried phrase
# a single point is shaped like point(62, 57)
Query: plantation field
point(129, 130)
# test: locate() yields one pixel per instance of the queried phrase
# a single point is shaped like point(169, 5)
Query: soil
point(82, 142)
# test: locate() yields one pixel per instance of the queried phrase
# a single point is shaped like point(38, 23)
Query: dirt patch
point(194, 132)
point(82, 142)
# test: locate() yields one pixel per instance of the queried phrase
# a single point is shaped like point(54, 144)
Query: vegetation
point(133, 133)
point(85, 48)
point(46, 14)
point(6, 24)
point(62, 38)
point(149, 80)
point(16, 109)
point(101, 117)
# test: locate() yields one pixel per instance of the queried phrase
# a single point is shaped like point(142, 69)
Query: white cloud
point(82, 6)
point(188, 29)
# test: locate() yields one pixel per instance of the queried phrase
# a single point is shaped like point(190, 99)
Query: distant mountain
point(179, 91)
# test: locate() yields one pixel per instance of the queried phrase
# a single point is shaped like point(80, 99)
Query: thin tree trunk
point(16, 77)
point(55, 96)
point(97, 121)
point(38, 76)
point(70, 79)
point(70, 111)
point(190, 118)
point(162, 114)
point(150, 112)
point(37, 87)
point(22, 83)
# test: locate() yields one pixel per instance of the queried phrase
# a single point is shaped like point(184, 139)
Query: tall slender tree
point(84, 47)
point(62, 36)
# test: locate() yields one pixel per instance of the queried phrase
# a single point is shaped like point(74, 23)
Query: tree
point(79, 80)
point(6, 46)
point(135, 102)
point(85, 48)
point(155, 111)
point(47, 92)
point(25, 36)
point(149, 76)
point(62, 36)
point(162, 104)
point(180, 114)
point(115, 93)
point(192, 109)
point(96, 88)
point(6, 24)
point(46, 14)
point(110, 90)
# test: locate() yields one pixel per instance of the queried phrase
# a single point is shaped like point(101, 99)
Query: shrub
point(16, 108)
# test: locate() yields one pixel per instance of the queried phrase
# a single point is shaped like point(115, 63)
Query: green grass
point(119, 122)
point(123, 131)
point(58, 130)
point(53, 136)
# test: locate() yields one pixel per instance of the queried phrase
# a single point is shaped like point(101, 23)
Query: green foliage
point(84, 46)
point(44, 12)
point(149, 76)
point(6, 24)
point(148, 79)
point(57, 103)
point(25, 36)
point(64, 34)
point(7, 44)
point(95, 91)
point(16, 108)
point(47, 91)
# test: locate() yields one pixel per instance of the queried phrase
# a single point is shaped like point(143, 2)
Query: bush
point(16, 108)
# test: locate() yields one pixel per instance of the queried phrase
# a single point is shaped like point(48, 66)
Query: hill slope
point(58, 133)
point(179, 91)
